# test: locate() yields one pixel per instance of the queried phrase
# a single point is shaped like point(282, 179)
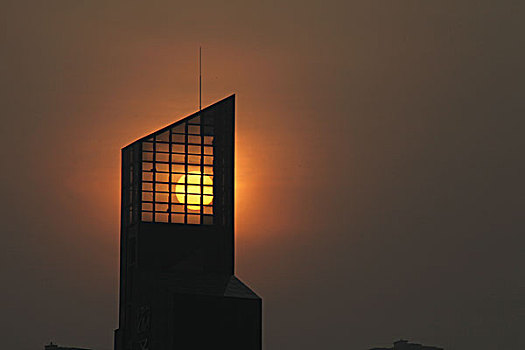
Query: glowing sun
point(195, 190)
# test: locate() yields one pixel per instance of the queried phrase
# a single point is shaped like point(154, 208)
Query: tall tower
point(177, 284)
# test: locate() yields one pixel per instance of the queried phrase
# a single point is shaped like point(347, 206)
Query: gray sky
point(379, 162)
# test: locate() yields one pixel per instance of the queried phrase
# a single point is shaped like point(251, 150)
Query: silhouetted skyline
point(52, 346)
point(406, 345)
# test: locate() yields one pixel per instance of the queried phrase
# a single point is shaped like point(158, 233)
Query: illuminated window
point(177, 173)
point(183, 173)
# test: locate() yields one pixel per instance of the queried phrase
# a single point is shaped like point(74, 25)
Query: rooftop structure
point(405, 345)
point(52, 346)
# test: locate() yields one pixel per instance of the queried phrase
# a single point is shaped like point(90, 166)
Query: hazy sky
point(380, 162)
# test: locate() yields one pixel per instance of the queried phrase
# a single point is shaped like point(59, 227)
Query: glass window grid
point(161, 160)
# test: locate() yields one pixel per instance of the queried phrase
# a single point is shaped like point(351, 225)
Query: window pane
point(194, 129)
point(194, 219)
point(147, 156)
point(147, 206)
point(207, 200)
point(147, 196)
point(163, 167)
point(162, 147)
point(161, 217)
point(194, 159)
point(162, 157)
point(147, 186)
point(208, 160)
point(181, 128)
point(161, 197)
point(178, 178)
point(147, 216)
point(194, 149)
point(178, 168)
point(208, 140)
point(208, 150)
point(208, 170)
point(178, 148)
point(147, 146)
point(165, 137)
point(177, 218)
point(194, 168)
point(194, 189)
point(162, 187)
point(208, 190)
point(178, 198)
point(147, 166)
point(147, 176)
point(194, 201)
point(161, 177)
point(161, 207)
point(194, 139)
point(208, 210)
point(177, 138)
point(177, 208)
point(178, 158)
point(178, 188)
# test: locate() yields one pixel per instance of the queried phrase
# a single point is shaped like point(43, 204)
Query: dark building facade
point(405, 345)
point(178, 288)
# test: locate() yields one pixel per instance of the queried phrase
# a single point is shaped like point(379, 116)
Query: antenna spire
point(200, 78)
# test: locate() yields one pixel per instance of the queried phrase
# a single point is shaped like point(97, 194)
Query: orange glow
point(256, 157)
point(193, 193)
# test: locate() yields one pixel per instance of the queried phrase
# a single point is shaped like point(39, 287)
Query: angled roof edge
point(237, 289)
point(179, 121)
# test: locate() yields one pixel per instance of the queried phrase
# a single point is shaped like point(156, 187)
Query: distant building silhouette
point(52, 346)
point(178, 288)
point(405, 345)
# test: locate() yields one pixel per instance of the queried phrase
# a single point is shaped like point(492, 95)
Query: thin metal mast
point(200, 78)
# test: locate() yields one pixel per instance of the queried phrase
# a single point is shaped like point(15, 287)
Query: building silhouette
point(178, 288)
point(405, 345)
point(52, 346)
